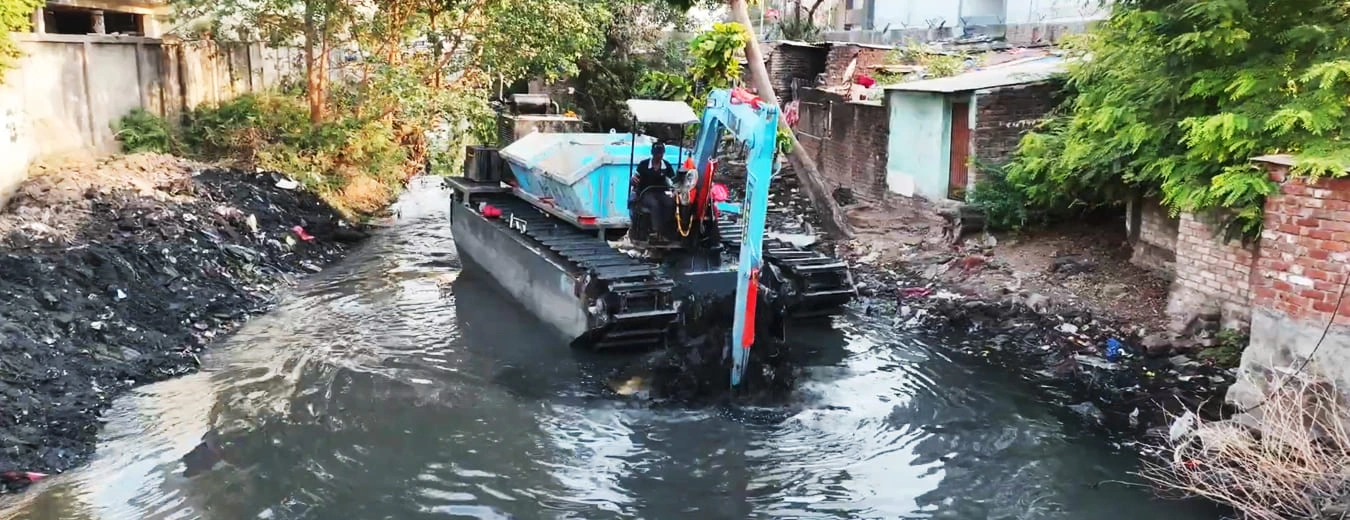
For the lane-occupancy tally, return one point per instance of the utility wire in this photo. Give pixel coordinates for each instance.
(1325, 330)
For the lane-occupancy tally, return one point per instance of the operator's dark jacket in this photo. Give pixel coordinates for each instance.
(648, 178)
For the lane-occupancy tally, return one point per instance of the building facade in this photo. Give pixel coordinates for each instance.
(114, 17)
(1019, 21)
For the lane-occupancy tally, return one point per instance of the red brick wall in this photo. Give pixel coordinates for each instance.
(1305, 249)
(847, 140)
(786, 62)
(1004, 115)
(1212, 276)
(841, 54)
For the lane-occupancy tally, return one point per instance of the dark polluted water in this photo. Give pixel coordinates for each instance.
(377, 392)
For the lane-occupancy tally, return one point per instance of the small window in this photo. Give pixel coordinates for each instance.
(68, 21)
(122, 23)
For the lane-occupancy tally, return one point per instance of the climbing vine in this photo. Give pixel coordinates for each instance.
(1177, 97)
(15, 15)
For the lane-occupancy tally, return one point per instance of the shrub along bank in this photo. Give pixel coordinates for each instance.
(353, 163)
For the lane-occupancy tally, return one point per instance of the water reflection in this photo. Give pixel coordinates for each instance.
(377, 392)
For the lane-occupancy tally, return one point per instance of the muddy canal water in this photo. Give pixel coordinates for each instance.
(376, 392)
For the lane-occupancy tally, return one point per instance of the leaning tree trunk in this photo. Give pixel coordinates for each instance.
(313, 67)
(836, 225)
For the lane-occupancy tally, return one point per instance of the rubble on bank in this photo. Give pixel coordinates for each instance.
(1084, 323)
(118, 273)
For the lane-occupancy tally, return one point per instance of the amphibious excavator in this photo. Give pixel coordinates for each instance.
(552, 219)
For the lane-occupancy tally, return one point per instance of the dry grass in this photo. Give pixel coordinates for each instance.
(362, 195)
(1295, 463)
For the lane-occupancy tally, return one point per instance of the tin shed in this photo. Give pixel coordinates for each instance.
(940, 127)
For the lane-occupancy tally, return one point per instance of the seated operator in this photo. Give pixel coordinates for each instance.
(654, 177)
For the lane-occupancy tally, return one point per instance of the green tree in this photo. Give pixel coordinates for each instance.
(714, 64)
(15, 16)
(470, 42)
(1175, 97)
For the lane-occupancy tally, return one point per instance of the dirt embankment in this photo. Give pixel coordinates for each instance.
(117, 273)
(1063, 306)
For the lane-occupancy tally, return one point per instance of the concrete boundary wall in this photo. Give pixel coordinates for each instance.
(67, 90)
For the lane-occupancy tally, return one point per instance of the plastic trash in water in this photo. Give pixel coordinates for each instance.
(300, 232)
(1113, 349)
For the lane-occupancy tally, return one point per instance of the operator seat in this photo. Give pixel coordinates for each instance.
(638, 219)
(639, 223)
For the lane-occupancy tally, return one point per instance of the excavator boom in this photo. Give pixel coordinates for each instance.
(754, 123)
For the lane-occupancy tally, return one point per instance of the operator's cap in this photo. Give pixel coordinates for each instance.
(658, 147)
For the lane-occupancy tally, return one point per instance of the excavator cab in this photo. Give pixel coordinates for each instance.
(671, 119)
(692, 224)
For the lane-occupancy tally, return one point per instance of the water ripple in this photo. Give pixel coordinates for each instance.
(377, 391)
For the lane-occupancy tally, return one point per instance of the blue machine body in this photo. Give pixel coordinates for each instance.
(753, 123)
(582, 178)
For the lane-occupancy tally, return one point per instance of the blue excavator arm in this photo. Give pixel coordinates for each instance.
(754, 123)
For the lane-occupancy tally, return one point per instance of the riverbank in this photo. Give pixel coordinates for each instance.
(118, 273)
(1061, 307)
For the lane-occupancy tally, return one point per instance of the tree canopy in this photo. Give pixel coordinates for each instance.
(1176, 96)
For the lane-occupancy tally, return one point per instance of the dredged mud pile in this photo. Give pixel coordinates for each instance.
(1103, 359)
(117, 274)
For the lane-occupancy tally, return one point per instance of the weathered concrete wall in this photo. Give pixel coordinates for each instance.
(1305, 261)
(847, 140)
(920, 144)
(1049, 21)
(1156, 245)
(16, 145)
(67, 90)
(1021, 21)
(1213, 277)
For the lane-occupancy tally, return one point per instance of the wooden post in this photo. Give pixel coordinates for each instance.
(140, 76)
(39, 21)
(88, 49)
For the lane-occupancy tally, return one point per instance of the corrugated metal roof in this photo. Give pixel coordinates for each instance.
(1019, 74)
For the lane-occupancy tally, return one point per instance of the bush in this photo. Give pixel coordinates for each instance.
(354, 163)
(142, 131)
(1228, 352)
(1295, 465)
(1003, 204)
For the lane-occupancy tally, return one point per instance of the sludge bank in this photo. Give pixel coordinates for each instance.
(1129, 387)
(119, 274)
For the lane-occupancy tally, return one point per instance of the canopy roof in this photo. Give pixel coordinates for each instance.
(662, 112)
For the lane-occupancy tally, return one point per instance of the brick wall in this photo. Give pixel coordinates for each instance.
(1305, 249)
(1213, 277)
(1004, 115)
(789, 61)
(1296, 323)
(847, 140)
(1156, 246)
(841, 54)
